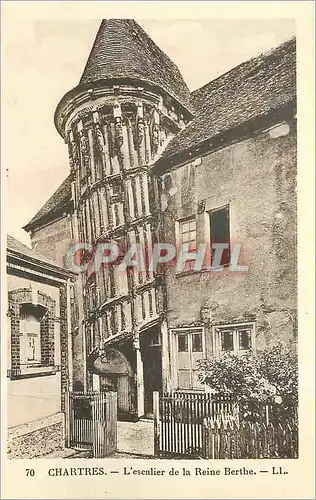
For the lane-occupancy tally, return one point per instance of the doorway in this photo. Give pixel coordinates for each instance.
(116, 375)
(152, 366)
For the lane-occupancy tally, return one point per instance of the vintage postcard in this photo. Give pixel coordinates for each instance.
(157, 188)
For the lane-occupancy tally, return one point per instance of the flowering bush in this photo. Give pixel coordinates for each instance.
(269, 377)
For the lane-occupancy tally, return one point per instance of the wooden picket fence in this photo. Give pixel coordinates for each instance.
(179, 421)
(231, 440)
(91, 422)
(201, 425)
(214, 404)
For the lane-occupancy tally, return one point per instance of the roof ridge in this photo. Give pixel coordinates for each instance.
(60, 197)
(257, 87)
(263, 56)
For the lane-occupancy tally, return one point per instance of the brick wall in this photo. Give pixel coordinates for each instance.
(47, 330)
(63, 342)
(16, 298)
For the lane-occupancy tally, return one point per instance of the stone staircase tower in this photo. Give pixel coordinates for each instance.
(131, 100)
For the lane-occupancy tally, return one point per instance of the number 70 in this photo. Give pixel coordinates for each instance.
(30, 472)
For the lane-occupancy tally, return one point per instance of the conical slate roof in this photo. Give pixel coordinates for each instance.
(122, 49)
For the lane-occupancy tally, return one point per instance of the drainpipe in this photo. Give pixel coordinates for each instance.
(69, 338)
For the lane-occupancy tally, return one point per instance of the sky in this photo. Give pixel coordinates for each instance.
(43, 59)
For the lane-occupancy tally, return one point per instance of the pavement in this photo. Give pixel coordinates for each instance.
(136, 437)
(69, 453)
(134, 440)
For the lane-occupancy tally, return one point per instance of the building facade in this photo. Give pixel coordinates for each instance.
(150, 163)
(235, 185)
(39, 364)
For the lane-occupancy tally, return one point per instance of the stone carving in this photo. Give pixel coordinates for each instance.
(140, 131)
(118, 133)
(84, 143)
(155, 138)
(84, 113)
(85, 151)
(201, 206)
(100, 141)
(73, 155)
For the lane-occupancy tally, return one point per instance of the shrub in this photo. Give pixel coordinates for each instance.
(269, 377)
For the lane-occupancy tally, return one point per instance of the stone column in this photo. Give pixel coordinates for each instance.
(70, 333)
(165, 357)
(64, 354)
(96, 382)
(140, 378)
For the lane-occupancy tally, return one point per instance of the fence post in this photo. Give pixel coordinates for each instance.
(114, 420)
(156, 423)
(67, 419)
(267, 415)
(95, 427)
(205, 438)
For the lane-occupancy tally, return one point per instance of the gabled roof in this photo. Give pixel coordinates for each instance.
(58, 201)
(122, 49)
(20, 251)
(254, 88)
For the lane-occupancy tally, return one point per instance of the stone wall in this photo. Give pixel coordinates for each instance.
(257, 178)
(36, 439)
(53, 240)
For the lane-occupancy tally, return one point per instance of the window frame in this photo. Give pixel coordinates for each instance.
(25, 334)
(236, 328)
(34, 302)
(208, 234)
(189, 265)
(173, 334)
(24, 339)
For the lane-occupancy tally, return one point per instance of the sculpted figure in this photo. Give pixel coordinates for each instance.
(118, 133)
(140, 131)
(100, 139)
